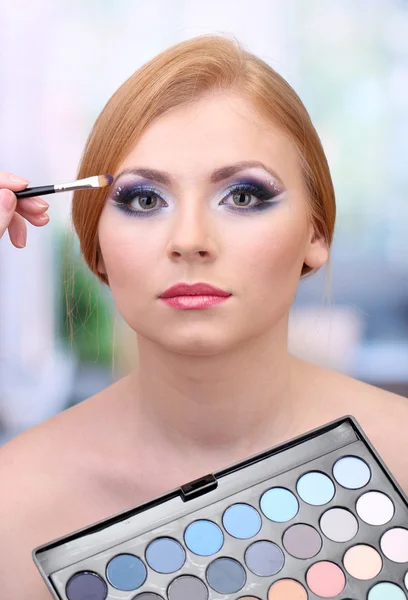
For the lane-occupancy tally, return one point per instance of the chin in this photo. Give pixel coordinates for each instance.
(189, 340)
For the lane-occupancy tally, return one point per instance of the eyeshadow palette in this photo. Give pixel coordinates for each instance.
(317, 517)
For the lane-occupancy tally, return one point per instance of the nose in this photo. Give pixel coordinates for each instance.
(192, 235)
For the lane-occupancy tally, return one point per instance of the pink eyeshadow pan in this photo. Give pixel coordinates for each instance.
(325, 579)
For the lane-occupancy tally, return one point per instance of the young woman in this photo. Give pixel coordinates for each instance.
(220, 179)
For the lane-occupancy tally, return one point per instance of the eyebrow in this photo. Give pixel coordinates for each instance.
(215, 177)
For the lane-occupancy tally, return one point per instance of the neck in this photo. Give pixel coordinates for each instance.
(225, 405)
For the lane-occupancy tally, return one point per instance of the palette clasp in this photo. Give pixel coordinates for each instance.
(198, 487)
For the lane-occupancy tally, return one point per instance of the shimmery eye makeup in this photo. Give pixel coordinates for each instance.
(317, 517)
(141, 200)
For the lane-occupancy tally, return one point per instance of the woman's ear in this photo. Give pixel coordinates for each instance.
(100, 264)
(317, 252)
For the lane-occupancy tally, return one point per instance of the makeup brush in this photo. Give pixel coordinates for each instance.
(97, 181)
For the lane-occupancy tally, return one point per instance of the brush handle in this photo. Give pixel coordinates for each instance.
(30, 192)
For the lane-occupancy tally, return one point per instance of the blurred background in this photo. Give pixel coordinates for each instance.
(59, 64)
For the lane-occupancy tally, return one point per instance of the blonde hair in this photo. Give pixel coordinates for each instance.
(178, 76)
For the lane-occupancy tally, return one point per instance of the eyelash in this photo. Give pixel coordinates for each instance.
(124, 197)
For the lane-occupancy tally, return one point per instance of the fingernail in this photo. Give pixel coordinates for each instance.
(44, 217)
(41, 203)
(16, 179)
(7, 199)
(21, 239)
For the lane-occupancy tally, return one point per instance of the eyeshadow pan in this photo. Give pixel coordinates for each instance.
(315, 488)
(325, 579)
(204, 537)
(242, 521)
(406, 580)
(302, 541)
(279, 505)
(375, 508)
(362, 562)
(264, 558)
(226, 575)
(126, 572)
(165, 555)
(339, 525)
(394, 544)
(287, 589)
(386, 591)
(187, 587)
(351, 472)
(86, 585)
(147, 596)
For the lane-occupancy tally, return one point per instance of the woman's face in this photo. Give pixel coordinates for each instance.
(247, 231)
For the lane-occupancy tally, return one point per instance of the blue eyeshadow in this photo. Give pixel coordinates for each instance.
(242, 521)
(279, 504)
(204, 537)
(126, 572)
(351, 472)
(315, 488)
(165, 555)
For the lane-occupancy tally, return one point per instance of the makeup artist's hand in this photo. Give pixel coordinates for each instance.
(13, 213)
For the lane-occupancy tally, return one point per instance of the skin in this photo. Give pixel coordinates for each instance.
(213, 386)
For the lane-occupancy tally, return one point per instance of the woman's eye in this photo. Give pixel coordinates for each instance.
(144, 201)
(138, 201)
(242, 198)
(250, 196)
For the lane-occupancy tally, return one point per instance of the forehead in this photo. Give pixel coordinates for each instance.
(192, 140)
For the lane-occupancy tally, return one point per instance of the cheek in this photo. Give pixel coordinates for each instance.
(126, 251)
(273, 250)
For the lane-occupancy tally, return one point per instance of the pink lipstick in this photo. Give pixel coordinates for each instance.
(194, 296)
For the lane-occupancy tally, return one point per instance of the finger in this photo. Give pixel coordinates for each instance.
(12, 182)
(18, 231)
(35, 206)
(37, 220)
(7, 205)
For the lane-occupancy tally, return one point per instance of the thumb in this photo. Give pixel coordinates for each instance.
(8, 203)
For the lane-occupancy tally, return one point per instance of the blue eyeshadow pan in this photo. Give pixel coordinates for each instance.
(242, 521)
(315, 488)
(204, 537)
(165, 555)
(126, 572)
(279, 505)
(351, 472)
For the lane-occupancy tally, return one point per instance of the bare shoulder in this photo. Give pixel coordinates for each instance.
(382, 414)
(49, 477)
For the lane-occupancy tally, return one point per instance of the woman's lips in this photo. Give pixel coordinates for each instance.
(194, 296)
(194, 302)
(194, 289)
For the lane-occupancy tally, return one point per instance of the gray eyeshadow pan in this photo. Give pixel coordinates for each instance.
(296, 521)
(264, 558)
(302, 541)
(187, 587)
(226, 575)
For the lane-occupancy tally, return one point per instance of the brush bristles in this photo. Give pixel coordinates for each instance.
(105, 180)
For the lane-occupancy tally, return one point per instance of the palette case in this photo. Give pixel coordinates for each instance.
(319, 516)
